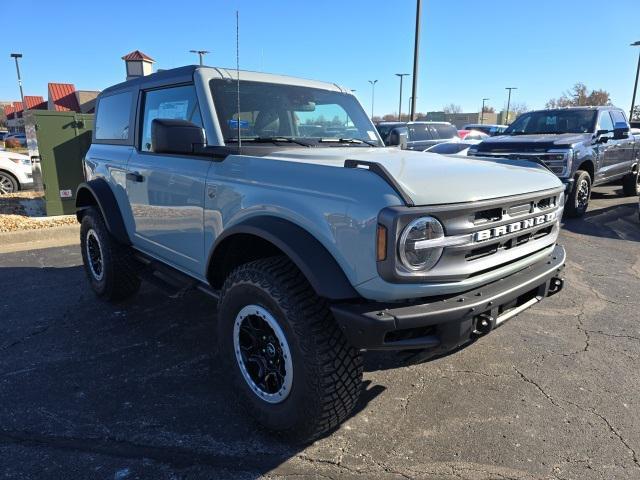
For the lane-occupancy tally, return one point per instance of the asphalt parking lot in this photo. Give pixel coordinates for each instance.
(91, 390)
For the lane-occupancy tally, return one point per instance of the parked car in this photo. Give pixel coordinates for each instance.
(472, 135)
(15, 172)
(489, 129)
(453, 148)
(419, 135)
(584, 146)
(315, 247)
(20, 137)
(3, 134)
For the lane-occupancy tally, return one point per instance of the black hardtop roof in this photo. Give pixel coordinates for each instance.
(163, 77)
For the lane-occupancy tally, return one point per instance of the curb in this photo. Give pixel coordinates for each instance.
(39, 238)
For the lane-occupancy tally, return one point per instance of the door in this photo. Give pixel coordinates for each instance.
(166, 191)
(606, 149)
(624, 147)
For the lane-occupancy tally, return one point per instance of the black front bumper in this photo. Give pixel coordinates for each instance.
(445, 323)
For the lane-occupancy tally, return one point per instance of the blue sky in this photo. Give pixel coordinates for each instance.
(469, 49)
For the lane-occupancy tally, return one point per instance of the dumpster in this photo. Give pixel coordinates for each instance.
(57, 143)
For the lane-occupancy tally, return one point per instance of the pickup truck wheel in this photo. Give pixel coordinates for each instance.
(109, 265)
(578, 201)
(293, 368)
(631, 184)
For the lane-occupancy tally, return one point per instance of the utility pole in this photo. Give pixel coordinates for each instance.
(201, 54)
(416, 45)
(373, 94)
(401, 75)
(635, 87)
(482, 112)
(509, 102)
(16, 56)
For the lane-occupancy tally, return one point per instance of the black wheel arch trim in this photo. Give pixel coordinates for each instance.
(98, 192)
(310, 256)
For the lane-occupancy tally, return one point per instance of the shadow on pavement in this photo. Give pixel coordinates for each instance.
(619, 222)
(127, 382)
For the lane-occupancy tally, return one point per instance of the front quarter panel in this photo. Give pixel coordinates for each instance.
(338, 206)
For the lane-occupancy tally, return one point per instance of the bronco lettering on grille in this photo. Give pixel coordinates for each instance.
(495, 232)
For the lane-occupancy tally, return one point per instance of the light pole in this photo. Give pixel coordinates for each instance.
(373, 94)
(416, 45)
(509, 102)
(201, 54)
(635, 87)
(401, 75)
(16, 56)
(482, 112)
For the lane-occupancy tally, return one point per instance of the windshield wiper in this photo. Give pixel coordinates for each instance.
(349, 140)
(269, 140)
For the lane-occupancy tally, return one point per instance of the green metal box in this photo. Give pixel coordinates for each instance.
(57, 142)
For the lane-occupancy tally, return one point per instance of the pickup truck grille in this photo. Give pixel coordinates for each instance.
(498, 232)
(555, 160)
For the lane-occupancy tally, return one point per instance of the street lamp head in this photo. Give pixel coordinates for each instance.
(510, 88)
(402, 74)
(373, 82)
(636, 44)
(16, 55)
(485, 99)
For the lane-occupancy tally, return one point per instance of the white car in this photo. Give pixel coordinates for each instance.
(15, 172)
(458, 147)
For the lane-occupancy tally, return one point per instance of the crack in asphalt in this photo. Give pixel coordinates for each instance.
(631, 450)
(538, 387)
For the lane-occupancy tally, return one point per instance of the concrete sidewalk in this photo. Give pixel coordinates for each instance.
(22, 240)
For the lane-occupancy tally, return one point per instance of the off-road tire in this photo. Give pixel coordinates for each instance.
(119, 279)
(327, 370)
(9, 183)
(575, 205)
(631, 184)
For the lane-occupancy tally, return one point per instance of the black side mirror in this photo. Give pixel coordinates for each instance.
(398, 137)
(175, 136)
(601, 136)
(620, 131)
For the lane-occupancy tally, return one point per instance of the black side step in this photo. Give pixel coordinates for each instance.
(171, 281)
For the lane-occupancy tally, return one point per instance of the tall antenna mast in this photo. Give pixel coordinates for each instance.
(238, 75)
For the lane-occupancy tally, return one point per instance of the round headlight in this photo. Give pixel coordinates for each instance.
(415, 254)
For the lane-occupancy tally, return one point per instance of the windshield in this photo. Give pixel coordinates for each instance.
(278, 112)
(553, 122)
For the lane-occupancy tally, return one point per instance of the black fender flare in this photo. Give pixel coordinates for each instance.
(97, 192)
(310, 256)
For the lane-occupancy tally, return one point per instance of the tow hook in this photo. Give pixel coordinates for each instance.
(555, 285)
(484, 324)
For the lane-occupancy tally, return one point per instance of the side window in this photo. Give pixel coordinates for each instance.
(618, 117)
(604, 122)
(178, 103)
(114, 113)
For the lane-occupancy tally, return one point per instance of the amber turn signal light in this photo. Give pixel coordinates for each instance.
(381, 243)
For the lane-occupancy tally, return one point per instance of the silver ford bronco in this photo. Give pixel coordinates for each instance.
(276, 196)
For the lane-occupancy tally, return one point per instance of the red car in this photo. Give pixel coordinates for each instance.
(472, 135)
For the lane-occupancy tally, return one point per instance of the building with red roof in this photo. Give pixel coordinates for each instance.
(62, 97)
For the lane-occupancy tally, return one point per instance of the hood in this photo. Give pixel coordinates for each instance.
(525, 143)
(431, 179)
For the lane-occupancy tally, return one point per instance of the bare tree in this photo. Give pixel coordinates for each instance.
(636, 114)
(518, 109)
(452, 108)
(578, 96)
(488, 109)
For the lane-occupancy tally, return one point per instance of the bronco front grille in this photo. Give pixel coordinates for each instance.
(498, 232)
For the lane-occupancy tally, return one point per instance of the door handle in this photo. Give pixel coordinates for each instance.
(135, 177)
